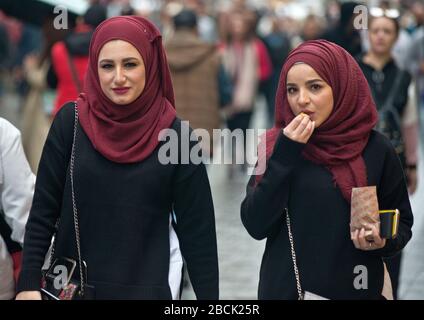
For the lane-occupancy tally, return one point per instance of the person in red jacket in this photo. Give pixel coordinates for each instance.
(70, 58)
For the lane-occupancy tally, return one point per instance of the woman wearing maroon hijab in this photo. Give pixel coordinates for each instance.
(102, 162)
(321, 146)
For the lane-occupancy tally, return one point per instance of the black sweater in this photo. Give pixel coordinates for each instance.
(320, 218)
(124, 218)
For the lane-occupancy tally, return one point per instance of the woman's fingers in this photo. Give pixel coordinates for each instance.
(302, 126)
(378, 241)
(359, 238)
(363, 243)
(354, 237)
(308, 132)
(294, 123)
(300, 129)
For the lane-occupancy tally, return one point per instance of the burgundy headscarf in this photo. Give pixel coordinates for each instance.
(338, 143)
(128, 133)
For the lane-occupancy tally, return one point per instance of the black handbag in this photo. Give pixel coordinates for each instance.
(61, 281)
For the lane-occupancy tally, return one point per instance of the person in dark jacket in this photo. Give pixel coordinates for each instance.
(278, 46)
(70, 57)
(388, 81)
(344, 33)
(322, 146)
(122, 188)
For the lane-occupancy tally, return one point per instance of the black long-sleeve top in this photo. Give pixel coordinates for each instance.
(124, 214)
(320, 218)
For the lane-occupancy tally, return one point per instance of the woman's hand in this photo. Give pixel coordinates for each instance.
(300, 129)
(29, 295)
(366, 242)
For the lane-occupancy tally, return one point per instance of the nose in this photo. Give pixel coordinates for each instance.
(303, 98)
(119, 76)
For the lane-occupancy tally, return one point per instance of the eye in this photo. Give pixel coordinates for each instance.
(316, 87)
(106, 66)
(291, 90)
(130, 65)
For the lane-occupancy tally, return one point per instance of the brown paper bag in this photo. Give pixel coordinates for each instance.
(364, 208)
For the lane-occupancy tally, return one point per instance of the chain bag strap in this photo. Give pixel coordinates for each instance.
(81, 264)
(293, 255)
(301, 296)
(74, 204)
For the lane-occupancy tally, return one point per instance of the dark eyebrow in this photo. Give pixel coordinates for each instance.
(123, 60)
(307, 82)
(314, 80)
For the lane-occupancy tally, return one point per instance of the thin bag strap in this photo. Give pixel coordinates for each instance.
(74, 203)
(74, 207)
(388, 104)
(293, 254)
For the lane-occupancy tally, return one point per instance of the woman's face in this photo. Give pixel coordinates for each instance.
(238, 26)
(382, 35)
(307, 92)
(121, 71)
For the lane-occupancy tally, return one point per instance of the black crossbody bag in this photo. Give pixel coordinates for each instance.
(60, 280)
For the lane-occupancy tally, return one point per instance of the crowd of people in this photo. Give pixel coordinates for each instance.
(344, 109)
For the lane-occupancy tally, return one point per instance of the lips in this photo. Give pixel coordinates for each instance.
(123, 90)
(309, 113)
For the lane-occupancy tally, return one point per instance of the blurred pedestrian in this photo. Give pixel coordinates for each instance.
(417, 9)
(206, 25)
(390, 84)
(344, 33)
(278, 46)
(390, 87)
(323, 145)
(195, 67)
(102, 179)
(35, 121)
(415, 65)
(70, 57)
(312, 28)
(246, 60)
(16, 191)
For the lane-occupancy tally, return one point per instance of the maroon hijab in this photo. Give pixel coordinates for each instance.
(338, 143)
(128, 133)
